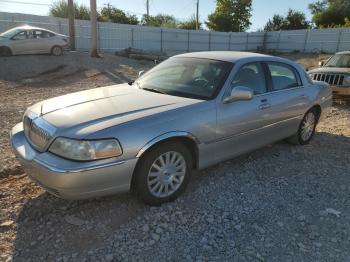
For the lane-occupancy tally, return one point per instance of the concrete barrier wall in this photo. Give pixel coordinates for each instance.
(112, 37)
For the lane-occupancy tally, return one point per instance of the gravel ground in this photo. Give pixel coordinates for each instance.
(278, 203)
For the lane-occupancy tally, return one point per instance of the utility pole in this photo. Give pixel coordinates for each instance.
(93, 18)
(71, 25)
(109, 11)
(147, 7)
(197, 15)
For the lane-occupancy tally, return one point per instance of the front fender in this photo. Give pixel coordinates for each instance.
(165, 136)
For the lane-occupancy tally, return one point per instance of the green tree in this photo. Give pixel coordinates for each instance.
(116, 15)
(230, 16)
(292, 21)
(60, 9)
(160, 20)
(189, 24)
(275, 24)
(295, 20)
(330, 13)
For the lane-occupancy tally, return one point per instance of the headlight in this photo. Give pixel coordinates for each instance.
(85, 150)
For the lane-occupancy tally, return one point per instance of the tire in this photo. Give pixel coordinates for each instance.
(5, 51)
(306, 128)
(159, 181)
(56, 50)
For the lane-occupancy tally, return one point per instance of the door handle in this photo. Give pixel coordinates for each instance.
(264, 106)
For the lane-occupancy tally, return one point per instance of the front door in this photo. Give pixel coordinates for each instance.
(240, 124)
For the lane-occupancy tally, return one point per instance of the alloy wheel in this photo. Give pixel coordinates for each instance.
(166, 174)
(308, 126)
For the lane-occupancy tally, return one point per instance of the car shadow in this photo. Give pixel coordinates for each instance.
(49, 226)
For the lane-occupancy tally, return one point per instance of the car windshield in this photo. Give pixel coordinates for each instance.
(187, 77)
(9, 33)
(340, 60)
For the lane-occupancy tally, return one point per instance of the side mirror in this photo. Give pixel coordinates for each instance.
(141, 73)
(321, 63)
(239, 93)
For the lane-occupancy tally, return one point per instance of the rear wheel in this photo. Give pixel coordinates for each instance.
(5, 51)
(57, 51)
(163, 173)
(306, 129)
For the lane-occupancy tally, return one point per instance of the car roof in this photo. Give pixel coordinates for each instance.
(28, 27)
(229, 56)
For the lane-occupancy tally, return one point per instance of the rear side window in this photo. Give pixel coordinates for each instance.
(283, 76)
(41, 34)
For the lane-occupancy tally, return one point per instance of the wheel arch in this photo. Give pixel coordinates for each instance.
(186, 138)
(8, 47)
(318, 110)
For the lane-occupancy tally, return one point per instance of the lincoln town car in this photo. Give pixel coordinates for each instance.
(187, 113)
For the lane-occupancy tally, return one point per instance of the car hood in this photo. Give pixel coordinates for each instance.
(93, 110)
(336, 70)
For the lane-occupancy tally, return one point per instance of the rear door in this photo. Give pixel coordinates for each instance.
(287, 99)
(41, 41)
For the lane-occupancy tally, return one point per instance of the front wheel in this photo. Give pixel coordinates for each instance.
(163, 173)
(306, 129)
(5, 51)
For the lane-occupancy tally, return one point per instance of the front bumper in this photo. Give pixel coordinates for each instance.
(341, 91)
(70, 179)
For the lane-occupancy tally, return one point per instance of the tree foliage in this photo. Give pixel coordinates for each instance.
(330, 13)
(189, 24)
(292, 21)
(116, 15)
(60, 9)
(160, 20)
(230, 16)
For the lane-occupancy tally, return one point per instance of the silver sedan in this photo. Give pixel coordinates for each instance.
(32, 40)
(189, 112)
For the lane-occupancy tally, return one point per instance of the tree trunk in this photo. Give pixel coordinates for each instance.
(93, 18)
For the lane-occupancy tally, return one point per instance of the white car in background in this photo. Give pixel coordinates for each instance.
(32, 40)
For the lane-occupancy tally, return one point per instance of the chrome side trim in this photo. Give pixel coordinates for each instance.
(77, 170)
(166, 136)
(253, 130)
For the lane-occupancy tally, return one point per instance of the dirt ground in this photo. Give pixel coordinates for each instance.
(28, 215)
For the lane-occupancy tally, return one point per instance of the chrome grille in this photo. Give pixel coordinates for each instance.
(332, 79)
(38, 136)
(38, 132)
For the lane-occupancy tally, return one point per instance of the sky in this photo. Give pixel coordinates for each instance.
(263, 10)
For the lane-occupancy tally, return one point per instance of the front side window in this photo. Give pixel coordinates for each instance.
(283, 76)
(251, 75)
(339, 60)
(20, 36)
(188, 77)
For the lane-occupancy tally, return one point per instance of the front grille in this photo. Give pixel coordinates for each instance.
(332, 79)
(38, 132)
(39, 136)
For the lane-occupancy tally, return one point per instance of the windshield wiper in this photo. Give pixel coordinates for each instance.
(153, 90)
